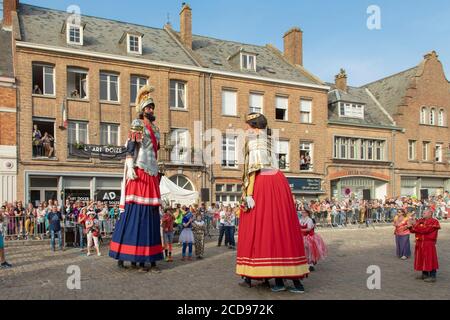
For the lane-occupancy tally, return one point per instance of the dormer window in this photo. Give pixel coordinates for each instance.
(134, 44)
(248, 62)
(351, 110)
(74, 34)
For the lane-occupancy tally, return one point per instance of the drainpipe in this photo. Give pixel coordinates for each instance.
(25, 185)
(211, 171)
(393, 163)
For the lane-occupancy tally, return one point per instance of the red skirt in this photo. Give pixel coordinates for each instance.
(270, 242)
(144, 190)
(425, 258)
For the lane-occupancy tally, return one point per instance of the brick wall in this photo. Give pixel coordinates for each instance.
(429, 88)
(8, 119)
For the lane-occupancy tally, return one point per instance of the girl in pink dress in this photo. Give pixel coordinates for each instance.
(315, 247)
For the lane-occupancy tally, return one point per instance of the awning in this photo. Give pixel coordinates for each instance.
(171, 193)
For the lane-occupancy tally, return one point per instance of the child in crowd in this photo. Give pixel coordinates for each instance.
(199, 230)
(167, 226)
(186, 236)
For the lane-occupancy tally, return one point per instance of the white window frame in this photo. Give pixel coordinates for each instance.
(79, 71)
(108, 88)
(433, 116)
(69, 27)
(342, 149)
(277, 152)
(423, 115)
(177, 83)
(379, 145)
(351, 110)
(425, 150)
(224, 92)
(304, 111)
(108, 126)
(441, 118)
(77, 130)
(137, 86)
(412, 154)
(310, 150)
(139, 38)
(282, 106)
(227, 151)
(43, 66)
(175, 134)
(438, 156)
(246, 57)
(254, 108)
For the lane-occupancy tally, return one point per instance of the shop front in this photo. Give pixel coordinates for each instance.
(354, 184)
(75, 186)
(416, 186)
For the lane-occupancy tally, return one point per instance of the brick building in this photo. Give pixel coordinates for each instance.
(418, 100)
(359, 143)
(8, 115)
(403, 120)
(79, 81)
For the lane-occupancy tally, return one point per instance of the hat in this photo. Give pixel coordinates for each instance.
(143, 98)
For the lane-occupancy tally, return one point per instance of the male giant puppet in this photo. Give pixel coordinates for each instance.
(137, 235)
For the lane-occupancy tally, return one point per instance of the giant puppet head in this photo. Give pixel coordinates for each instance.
(144, 100)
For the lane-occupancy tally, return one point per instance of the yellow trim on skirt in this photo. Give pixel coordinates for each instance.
(272, 271)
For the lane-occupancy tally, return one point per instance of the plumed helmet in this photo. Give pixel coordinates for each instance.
(144, 98)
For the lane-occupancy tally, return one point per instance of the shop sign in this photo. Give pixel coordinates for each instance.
(112, 197)
(305, 184)
(97, 151)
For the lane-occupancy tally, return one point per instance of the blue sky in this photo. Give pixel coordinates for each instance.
(335, 32)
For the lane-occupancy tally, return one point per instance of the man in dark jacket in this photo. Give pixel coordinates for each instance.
(54, 219)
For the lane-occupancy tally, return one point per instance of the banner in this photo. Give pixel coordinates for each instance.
(97, 151)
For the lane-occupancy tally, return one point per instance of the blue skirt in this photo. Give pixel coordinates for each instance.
(137, 236)
(403, 246)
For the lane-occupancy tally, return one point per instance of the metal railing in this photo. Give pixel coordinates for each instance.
(38, 228)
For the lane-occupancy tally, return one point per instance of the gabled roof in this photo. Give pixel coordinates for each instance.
(374, 115)
(391, 90)
(6, 58)
(43, 26)
(103, 36)
(214, 54)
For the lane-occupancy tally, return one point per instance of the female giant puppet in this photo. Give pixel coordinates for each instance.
(137, 235)
(270, 243)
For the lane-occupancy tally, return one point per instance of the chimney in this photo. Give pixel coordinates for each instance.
(341, 80)
(8, 7)
(293, 46)
(186, 25)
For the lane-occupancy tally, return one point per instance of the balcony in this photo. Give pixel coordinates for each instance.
(44, 151)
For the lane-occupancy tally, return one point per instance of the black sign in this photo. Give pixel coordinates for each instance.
(112, 197)
(77, 195)
(102, 152)
(305, 184)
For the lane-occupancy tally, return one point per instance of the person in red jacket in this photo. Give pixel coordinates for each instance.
(426, 259)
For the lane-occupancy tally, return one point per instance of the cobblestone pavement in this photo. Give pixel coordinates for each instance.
(41, 274)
